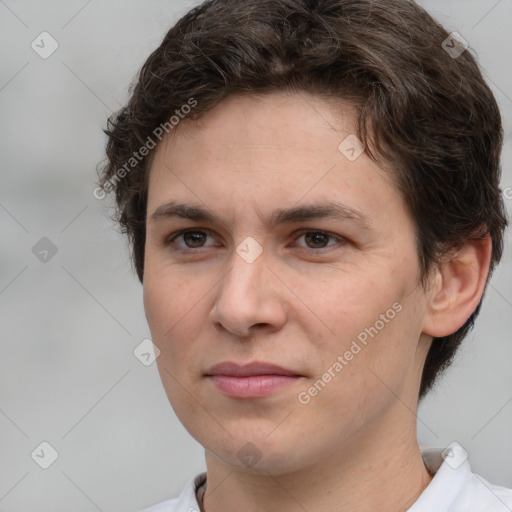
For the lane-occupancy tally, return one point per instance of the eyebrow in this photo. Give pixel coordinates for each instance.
(302, 213)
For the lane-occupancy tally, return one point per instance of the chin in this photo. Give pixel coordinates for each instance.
(261, 454)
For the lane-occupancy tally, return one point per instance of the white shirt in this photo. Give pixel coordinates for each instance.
(454, 488)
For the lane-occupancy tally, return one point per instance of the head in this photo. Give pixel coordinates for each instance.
(241, 111)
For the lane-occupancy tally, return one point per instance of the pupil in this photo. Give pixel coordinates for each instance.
(195, 238)
(317, 238)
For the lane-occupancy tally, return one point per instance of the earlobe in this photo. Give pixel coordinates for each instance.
(457, 287)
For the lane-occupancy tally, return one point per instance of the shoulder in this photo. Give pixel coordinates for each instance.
(163, 506)
(494, 497)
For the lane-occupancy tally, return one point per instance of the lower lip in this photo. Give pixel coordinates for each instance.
(255, 386)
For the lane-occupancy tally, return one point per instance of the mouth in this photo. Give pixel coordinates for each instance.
(253, 380)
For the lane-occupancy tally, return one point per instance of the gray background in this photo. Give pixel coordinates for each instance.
(69, 326)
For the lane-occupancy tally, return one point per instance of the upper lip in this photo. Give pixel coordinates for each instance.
(250, 369)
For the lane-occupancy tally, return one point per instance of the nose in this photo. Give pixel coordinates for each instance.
(247, 298)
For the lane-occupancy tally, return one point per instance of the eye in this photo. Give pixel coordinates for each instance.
(196, 239)
(192, 238)
(318, 239)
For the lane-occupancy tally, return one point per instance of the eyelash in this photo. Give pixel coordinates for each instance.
(170, 240)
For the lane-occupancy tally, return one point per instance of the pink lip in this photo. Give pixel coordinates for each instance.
(253, 380)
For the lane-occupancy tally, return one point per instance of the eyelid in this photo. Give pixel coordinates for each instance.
(170, 239)
(302, 231)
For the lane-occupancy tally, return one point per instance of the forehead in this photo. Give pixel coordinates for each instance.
(268, 122)
(275, 149)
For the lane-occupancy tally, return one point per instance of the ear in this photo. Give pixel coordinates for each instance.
(457, 287)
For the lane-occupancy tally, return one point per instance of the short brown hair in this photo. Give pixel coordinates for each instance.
(426, 113)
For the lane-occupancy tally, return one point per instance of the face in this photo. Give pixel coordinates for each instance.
(296, 255)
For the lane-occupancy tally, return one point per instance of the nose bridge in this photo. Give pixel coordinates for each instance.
(245, 297)
(247, 267)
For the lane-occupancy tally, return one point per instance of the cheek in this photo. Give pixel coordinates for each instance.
(158, 303)
(165, 303)
(351, 303)
(168, 295)
(373, 324)
(176, 312)
(175, 315)
(362, 369)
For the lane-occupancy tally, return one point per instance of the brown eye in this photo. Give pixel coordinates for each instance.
(317, 239)
(192, 239)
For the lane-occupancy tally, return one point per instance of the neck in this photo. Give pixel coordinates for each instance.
(378, 469)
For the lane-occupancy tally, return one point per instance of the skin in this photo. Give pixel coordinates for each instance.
(299, 305)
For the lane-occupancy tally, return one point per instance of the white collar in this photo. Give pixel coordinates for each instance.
(454, 487)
